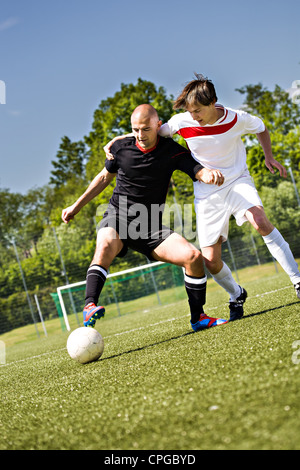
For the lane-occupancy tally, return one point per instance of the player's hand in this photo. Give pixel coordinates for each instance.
(106, 149)
(68, 214)
(210, 176)
(271, 163)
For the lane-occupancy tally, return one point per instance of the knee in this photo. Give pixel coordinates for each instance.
(212, 264)
(103, 245)
(212, 259)
(194, 256)
(107, 249)
(260, 222)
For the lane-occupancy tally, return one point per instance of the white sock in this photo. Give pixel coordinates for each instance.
(280, 250)
(225, 279)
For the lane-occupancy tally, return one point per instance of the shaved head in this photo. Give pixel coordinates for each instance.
(145, 125)
(145, 111)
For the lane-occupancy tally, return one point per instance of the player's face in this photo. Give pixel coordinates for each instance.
(203, 114)
(145, 130)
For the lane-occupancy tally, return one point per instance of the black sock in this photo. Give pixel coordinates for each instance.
(196, 291)
(95, 279)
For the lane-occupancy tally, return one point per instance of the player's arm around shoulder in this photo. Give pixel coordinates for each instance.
(107, 148)
(187, 163)
(99, 183)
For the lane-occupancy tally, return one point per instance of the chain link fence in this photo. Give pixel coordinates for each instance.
(30, 294)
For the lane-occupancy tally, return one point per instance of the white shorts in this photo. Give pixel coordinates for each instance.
(213, 213)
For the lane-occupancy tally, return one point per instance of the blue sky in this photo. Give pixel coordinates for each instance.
(59, 59)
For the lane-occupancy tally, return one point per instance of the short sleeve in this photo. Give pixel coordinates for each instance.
(173, 124)
(165, 130)
(111, 166)
(251, 124)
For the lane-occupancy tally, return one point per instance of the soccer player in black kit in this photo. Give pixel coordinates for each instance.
(143, 165)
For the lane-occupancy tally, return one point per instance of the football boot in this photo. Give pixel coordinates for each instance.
(205, 322)
(236, 306)
(91, 313)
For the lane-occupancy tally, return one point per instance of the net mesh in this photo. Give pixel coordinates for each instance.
(126, 292)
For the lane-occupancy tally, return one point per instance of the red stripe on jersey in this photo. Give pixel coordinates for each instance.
(187, 132)
(180, 153)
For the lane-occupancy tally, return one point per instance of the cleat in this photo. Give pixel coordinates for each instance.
(236, 306)
(297, 289)
(205, 322)
(91, 313)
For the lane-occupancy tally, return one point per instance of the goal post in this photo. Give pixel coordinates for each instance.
(132, 289)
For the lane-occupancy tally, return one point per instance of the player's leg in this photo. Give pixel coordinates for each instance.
(213, 224)
(212, 215)
(176, 250)
(276, 244)
(221, 273)
(107, 248)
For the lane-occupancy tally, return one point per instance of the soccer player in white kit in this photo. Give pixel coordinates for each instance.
(213, 134)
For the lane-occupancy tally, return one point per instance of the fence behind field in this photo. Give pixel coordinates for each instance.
(35, 299)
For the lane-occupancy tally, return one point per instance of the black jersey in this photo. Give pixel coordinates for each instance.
(144, 177)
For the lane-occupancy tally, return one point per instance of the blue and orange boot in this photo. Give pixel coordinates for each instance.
(207, 322)
(91, 313)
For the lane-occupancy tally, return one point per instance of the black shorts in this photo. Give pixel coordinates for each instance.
(142, 236)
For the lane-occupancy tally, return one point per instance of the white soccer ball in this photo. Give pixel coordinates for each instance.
(85, 344)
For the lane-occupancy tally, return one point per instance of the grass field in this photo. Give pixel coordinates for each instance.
(158, 385)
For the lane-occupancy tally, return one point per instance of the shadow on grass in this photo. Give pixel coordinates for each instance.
(269, 310)
(142, 348)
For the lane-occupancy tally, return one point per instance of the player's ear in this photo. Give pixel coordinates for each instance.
(159, 124)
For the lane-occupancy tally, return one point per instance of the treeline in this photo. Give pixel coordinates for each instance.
(33, 220)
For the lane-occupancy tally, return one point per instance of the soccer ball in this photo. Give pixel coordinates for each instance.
(85, 344)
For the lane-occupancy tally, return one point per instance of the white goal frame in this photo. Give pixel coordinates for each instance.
(81, 283)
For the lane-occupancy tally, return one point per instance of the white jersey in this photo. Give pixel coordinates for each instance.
(216, 146)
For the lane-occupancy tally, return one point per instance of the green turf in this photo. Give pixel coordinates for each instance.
(159, 386)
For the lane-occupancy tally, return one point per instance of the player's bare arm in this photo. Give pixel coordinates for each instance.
(265, 141)
(210, 176)
(99, 183)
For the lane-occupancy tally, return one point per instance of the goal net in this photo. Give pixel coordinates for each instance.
(131, 290)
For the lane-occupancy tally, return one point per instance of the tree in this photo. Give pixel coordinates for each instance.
(10, 215)
(282, 118)
(113, 117)
(36, 207)
(70, 162)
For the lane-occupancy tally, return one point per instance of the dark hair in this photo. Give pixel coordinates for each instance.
(200, 90)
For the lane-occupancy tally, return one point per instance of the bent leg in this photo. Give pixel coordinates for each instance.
(258, 219)
(275, 242)
(219, 270)
(176, 250)
(107, 248)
